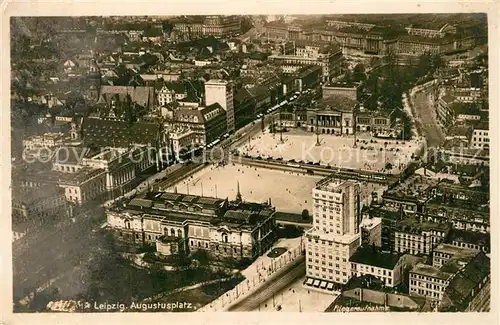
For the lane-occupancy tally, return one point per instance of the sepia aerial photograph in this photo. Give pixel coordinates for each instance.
(267, 163)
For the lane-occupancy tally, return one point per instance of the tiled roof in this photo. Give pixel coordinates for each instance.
(141, 95)
(341, 103)
(459, 290)
(105, 133)
(470, 237)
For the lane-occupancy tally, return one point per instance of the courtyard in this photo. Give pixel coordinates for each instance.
(370, 154)
(289, 192)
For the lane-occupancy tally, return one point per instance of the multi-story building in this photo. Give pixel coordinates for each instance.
(345, 89)
(279, 31)
(236, 230)
(36, 204)
(470, 239)
(182, 139)
(189, 28)
(428, 281)
(47, 140)
(444, 252)
(480, 136)
(170, 93)
(207, 123)
(335, 234)
(121, 165)
(221, 92)
(328, 57)
(371, 231)
(85, 185)
(431, 33)
(415, 237)
(221, 26)
(461, 216)
(410, 195)
(377, 123)
(445, 115)
(469, 288)
(332, 115)
(460, 284)
(385, 266)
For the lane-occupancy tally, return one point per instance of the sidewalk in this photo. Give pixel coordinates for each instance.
(256, 274)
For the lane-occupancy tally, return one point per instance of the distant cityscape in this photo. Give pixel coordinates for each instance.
(324, 163)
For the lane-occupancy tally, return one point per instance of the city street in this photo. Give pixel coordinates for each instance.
(424, 110)
(269, 288)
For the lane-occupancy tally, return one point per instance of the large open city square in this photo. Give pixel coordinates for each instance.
(288, 192)
(362, 153)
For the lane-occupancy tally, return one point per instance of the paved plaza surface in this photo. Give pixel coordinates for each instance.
(336, 151)
(296, 298)
(289, 192)
(260, 265)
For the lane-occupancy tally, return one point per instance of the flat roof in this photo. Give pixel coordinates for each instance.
(431, 271)
(372, 256)
(451, 249)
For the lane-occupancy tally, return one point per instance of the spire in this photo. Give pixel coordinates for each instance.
(238, 194)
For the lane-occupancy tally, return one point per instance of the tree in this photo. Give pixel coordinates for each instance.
(359, 72)
(201, 256)
(305, 214)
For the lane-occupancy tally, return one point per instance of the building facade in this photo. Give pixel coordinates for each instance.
(385, 266)
(335, 235)
(221, 92)
(235, 230)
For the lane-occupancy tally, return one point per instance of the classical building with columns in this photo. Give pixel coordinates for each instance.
(331, 115)
(234, 230)
(120, 167)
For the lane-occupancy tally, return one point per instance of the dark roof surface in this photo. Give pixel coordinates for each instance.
(111, 133)
(461, 285)
(369, 256)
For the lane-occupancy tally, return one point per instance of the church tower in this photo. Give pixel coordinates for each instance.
(94, 78)
(238, 194)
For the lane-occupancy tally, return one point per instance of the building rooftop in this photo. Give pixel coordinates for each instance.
(458, 292)
(341, 239)
(413, 226)
(451, 250)
(470, 237)
(141, 95)
(414, 188)
(369, 255)
(118, 134)
(32, 195)
(430, 271)
(184, 208)
(334, 185)
(341, 103)
(79, 177)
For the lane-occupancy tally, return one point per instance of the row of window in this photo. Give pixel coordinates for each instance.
(426, 292)
(429, 279)
(427, 285)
